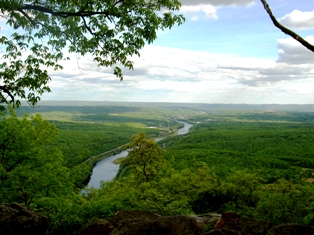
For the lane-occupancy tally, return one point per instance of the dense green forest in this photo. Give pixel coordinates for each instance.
(253, 160)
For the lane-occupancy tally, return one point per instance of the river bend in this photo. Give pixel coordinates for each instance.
(106, 170)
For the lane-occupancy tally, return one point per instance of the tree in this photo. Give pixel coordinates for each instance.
(29, 172)
(21, 139)
(145, 156)
(111, 31)
(286, 30)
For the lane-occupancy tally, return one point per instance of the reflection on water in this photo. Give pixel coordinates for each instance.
(184, 129)
(106, 170)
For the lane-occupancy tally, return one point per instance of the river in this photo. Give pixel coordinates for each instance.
(106, 170)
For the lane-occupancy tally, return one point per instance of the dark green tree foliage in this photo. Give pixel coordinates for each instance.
(28, 173)
(111, 31)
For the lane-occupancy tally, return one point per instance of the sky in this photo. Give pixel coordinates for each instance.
(227, 51)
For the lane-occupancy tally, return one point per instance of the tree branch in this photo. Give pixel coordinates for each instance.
(286, 30)
(65, 14)
(27, 16)
(6, 90)
(87, 27)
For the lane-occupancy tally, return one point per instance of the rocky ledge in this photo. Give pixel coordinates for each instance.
(147, 223)
(18, 219)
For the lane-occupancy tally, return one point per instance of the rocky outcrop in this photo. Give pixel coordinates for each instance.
(147, 223)
(244, 225)
(19, 219)
(291, 229)
(144, 223)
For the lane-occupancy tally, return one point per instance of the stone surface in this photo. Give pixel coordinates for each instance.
(223, 232)
(147, 223)
(144, 223)
(204, 220)
(244, 225)
(176, 225)
(101, 226)
(19, 219)
(291, 229)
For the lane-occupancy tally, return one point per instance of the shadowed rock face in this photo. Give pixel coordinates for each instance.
(244, 225)
(291, 229)
(18, 219)
(147, 223)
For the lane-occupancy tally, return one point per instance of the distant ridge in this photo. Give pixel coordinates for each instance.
(200, 106)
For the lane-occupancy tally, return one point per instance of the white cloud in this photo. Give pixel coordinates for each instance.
(209, 10)
(176, 75)
(217, 2)
(292, 52)
(298, 20)
(209, 7)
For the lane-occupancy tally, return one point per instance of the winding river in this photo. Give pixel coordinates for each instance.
(106, 170)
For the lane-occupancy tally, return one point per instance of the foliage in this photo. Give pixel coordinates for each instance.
(274, 150)
(145, 156)
(248, 163)
(22, 139)
(110, 31)
(169, 192)
(30, 174)
(285, 202)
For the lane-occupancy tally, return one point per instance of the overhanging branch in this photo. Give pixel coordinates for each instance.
(65, 14)
(6, 90)
(286, 30)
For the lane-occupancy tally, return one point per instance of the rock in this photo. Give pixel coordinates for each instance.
(222, 232)
(147, 223)
(204, 220)
(101, 226)
(291, 229)
(244, 225)
(135, 214)
(19, 219)
(141, 222)
(144, 223)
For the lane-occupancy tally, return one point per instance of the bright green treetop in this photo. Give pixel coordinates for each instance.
(111, 31)
(145, 156)
(30, 173)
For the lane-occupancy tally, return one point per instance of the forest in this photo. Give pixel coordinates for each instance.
(255, 160)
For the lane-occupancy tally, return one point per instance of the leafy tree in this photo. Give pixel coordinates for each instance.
(29, 173)
(111, 31)
(145, 156)
(21, 139)
(286, 202)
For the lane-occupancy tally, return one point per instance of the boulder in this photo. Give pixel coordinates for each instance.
(244, 225)
(203, 221)
(291, 229)
(168, 225)
(144, 223)
(101, 226)
(19, 219)
(223, 232)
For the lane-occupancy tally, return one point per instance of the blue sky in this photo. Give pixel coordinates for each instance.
(227, 51)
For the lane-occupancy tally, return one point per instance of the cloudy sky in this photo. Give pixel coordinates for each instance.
(227, 51)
